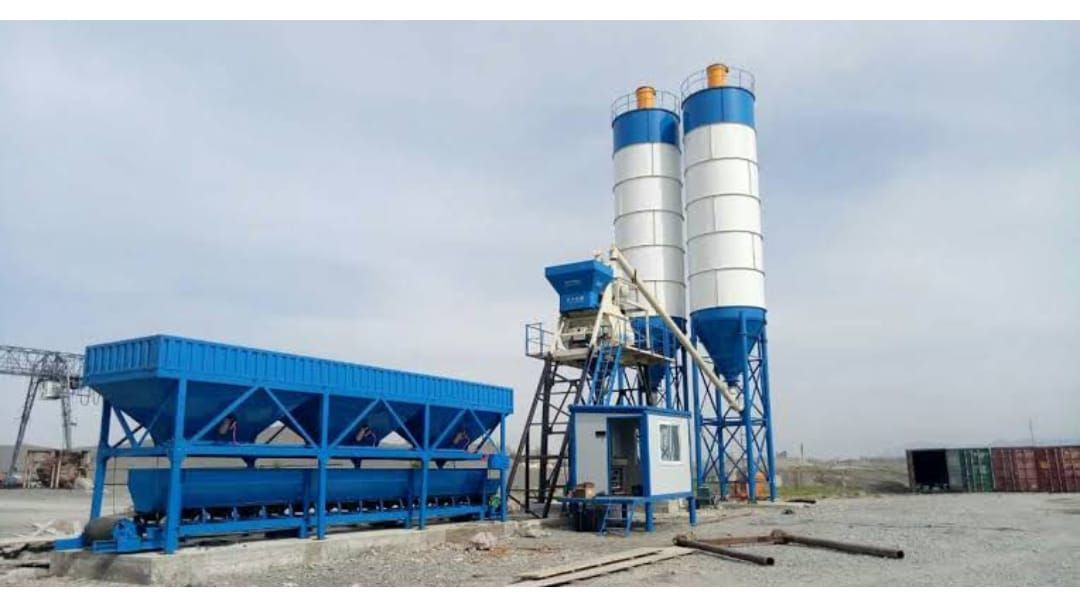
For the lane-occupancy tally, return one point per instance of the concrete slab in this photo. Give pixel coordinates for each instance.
(204, 565)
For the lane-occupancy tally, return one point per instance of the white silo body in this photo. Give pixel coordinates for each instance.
(648, 194)
(723, 212)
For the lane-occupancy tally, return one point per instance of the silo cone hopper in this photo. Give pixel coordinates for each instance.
(729, 346)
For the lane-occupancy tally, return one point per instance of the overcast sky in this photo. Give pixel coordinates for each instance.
(390, 193)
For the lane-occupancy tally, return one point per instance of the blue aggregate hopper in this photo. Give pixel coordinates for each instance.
(580, 285)
(239, 392)
(176, 398)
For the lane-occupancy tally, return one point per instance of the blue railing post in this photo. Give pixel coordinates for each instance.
(176, 460)
(101, 460)
(324, 426)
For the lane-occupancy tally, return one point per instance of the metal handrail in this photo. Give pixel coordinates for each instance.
(624, 104)
(698, 80)
(537, 339)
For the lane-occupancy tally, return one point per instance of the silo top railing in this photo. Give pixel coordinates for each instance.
(626, 103)
(699, 80)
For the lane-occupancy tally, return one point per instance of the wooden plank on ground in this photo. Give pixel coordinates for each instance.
(661, 554)
(590, 563)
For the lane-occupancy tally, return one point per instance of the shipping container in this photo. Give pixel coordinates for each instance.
(1071, 465)
(1058, 468)
(975, 470)
(954, 470)
(1019, 469)
(952, 465)
(1014, 469)
(928, 470)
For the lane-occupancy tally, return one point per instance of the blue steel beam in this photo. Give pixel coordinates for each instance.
(288, 415)
(401, 424)
(324, 426)
(356, 421)
(101, 459)
(176, 459)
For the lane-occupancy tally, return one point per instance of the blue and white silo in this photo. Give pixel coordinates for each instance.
(649, 211)
(723, 215)
(727, 277)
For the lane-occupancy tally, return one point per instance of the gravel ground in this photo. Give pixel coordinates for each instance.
(962, 539)
(949, 540)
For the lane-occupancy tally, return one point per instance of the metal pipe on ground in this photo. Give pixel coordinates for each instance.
(738, 541)
(786, 538)
(686, 542)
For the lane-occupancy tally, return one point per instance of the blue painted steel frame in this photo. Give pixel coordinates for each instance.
(167, 536)
(719, 451)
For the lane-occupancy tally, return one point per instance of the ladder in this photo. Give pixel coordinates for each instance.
(547, 424)
(605, 373)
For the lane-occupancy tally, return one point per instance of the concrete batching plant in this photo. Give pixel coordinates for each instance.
(621, 347)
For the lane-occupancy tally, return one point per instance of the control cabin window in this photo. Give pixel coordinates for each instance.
(670, 451)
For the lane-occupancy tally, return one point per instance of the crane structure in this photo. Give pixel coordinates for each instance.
(54, 376)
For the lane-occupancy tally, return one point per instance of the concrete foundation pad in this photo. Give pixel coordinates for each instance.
(206, 565)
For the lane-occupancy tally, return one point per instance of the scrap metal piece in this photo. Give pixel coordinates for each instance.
(786, 538)
(765, 561)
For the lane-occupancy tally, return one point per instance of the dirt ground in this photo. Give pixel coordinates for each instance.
(951, 540)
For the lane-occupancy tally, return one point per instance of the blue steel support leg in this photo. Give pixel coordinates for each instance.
(766, 410)
(691, 505)
(305, 504)
(684, 402)
(719, 449)
(324, 425)
(668, 400)
(649, 516)
(699, 438)
(748, 413)
(502, 470)
(176, 460)
(425, 453)
(101, 460)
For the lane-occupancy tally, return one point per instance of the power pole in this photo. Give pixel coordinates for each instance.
(53, 376)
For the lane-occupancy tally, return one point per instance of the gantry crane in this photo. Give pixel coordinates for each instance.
(53, 376)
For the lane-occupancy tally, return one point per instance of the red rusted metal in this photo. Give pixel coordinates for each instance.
(1058, 468)
(1015, 469)
(1070, 464)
